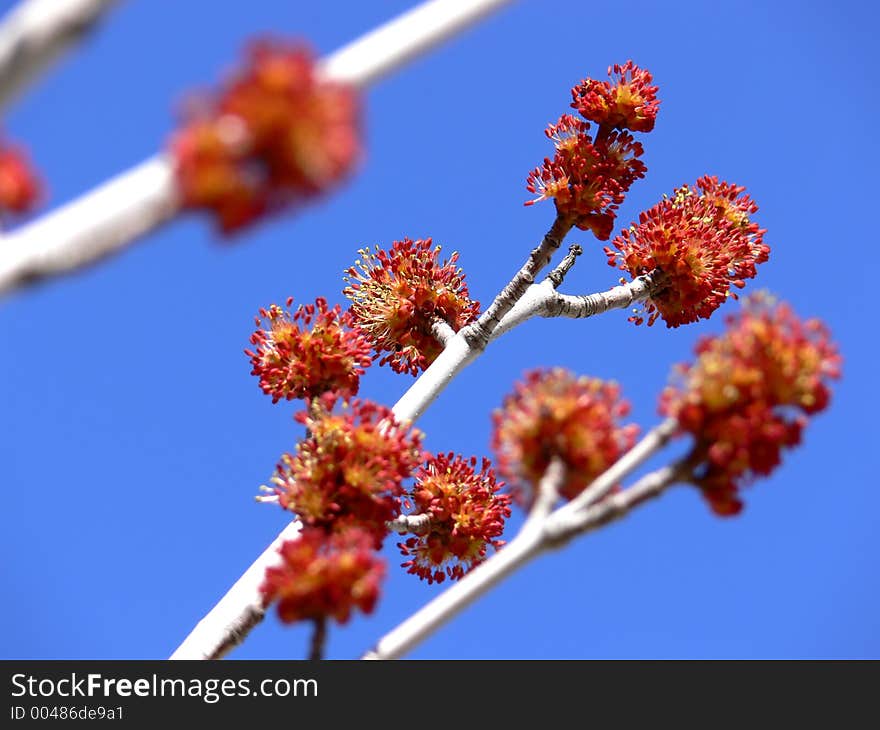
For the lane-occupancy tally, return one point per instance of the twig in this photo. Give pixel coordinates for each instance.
(522, 549)
(561, 528)
(319, 638)
(646, 447)
(557, 276)
(536, 537)
(107, 220)
(36, 32)
(542, 300)
(480, 332)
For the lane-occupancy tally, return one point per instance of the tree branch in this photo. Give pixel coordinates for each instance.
(230, 621)
(538, 535)
(107, 220)
(480, 332)
(542, 300)
(36, 32)
(456, 355)
(523, 548)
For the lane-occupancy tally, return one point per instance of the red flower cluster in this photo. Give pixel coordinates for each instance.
(467, 516)
(19, 187)
(589, 176)
(397, 296)
(629, 102)
(749, 394)
(274, 136)
(323, 576)
(316, 351)
(703, 240)
(553, 413)
(349, 469)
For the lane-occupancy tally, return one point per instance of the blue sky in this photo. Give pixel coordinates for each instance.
(133, 438)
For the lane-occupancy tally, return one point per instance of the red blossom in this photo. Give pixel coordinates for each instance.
(349, 469)
(19, 186)
(749, 395)
(703, 240)
(397, 295)
(467, 516)
(587, 178)
(323, 576)
(275, 135)
(554, 413)
(313, 352)
(628, 102)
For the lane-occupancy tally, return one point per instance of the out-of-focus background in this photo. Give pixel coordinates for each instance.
(133, 439)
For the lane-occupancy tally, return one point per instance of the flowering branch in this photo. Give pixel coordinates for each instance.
(35, 32)
(105, 221)
(209, 639)
(542, 531)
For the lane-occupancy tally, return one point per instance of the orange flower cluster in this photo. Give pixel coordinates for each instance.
(467, 516)
(749, 394)
(19, 187)
(321, 576)
(348, 471)
(628, 102)
(703, 240)
(314, 352)
(397, 295)
(274, 136)
(588, 175)
(555, 414)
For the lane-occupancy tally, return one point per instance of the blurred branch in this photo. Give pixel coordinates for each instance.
(107, 220)
(541, 532)
(36, 32)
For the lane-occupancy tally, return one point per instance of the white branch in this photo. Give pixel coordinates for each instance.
(523, 548)
(538, 535)
(401, 40)
(97, 225)
(542, 300)
(229, 622)
(107, 220)
(35, 33)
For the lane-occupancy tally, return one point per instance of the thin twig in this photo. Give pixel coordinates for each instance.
(542, 300)
(36, 32)
(319, 638)
(480, 332)
(557, 276)
(104, 222)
